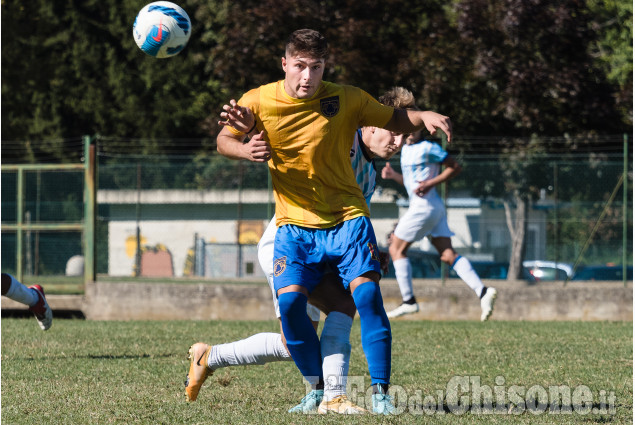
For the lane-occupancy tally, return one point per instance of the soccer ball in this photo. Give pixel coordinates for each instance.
(162, 29)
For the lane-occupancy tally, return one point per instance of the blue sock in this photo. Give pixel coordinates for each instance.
(376, 335)
(302, 340)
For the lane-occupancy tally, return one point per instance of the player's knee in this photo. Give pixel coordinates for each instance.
(347, 306)
(344, 305)
(393, 251)
(367, 296)
(449, 256)
(398, 251)
(6, 283)
(292, 304)
(335, 343)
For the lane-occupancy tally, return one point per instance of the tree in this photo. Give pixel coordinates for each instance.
(72, 68)
(531, 62)
(531, 65)
(613, 49)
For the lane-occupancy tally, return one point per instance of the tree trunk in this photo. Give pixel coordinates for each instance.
(517, 225)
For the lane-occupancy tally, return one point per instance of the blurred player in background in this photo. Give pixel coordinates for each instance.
(421, 162)
(329, 295)
(308, 127)
(33, 297)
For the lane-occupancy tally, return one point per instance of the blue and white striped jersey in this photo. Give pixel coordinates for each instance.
(363, 166)
(421, 161)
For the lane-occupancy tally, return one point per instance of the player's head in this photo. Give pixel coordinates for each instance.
(400, 97)
(303, 63)
(384, 143)
(307, 42)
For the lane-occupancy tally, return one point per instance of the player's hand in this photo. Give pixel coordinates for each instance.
(384, 260)
(423, 188)
(434, 121)
(258, 148)
(387, 172)
(239, 117)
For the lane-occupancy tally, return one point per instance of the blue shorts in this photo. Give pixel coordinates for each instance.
(301, 254)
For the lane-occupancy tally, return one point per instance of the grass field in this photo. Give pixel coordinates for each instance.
(89, 372)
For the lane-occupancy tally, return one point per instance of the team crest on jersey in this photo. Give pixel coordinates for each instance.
(373, 251)
(279, 266)
(330, 106)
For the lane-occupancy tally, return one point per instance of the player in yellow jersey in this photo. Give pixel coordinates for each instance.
(306, 129)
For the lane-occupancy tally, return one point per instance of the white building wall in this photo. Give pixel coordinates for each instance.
(172, 221)
(176, 235)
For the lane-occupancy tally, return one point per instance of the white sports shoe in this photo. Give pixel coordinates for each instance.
(487, 303)
(41, 309)
(342, 405)
(403, 309)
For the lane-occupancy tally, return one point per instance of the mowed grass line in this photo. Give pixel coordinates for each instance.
(91, 372)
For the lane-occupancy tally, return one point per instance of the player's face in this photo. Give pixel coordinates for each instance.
(384, 143)
(411, 138)
(303, 75)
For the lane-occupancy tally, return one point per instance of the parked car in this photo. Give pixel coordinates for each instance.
(486, 270)
(540, 270)
(602, 273)
(424, 265)
(428, 265)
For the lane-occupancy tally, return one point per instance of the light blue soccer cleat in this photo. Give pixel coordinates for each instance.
(383, 404)
(309, 403)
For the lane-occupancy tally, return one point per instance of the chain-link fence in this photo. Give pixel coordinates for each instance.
(43, 220)
(203, 215)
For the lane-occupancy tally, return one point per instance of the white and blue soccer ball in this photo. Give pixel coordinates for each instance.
(162, 29)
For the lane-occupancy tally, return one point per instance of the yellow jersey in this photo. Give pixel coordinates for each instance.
(311, 139)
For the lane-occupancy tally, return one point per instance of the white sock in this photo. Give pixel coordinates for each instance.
(336, 353)
(256, 350)
(20, 293)
(464, 270)
(403, 273)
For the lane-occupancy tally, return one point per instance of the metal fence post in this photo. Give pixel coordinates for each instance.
(89, 209)
(625, 210)
(19, 222)
(444, 196)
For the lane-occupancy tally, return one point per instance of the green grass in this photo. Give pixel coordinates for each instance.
(85, 372)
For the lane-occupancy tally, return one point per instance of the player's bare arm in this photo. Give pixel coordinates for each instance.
(231, 145)
(389, 173)
(408, 121)
(452, 168)
(258, 148)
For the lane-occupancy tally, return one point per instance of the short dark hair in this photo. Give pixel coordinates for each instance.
(308, 42)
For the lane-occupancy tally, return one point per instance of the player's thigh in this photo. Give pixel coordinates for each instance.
(418, 222)
(265, 248)
(398, 247)
(354, 251)
(298, 258)
(330, 296)
(441, 230)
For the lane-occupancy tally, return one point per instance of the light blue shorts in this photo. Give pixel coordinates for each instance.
(302, 255)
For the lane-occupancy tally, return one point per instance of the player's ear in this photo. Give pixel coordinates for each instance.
(284, 63)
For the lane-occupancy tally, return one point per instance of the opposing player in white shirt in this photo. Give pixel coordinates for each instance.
(421, 162)
(329, 297)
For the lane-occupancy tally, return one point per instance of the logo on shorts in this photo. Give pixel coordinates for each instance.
(373, 251)
(279, 265)
(330, 106)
